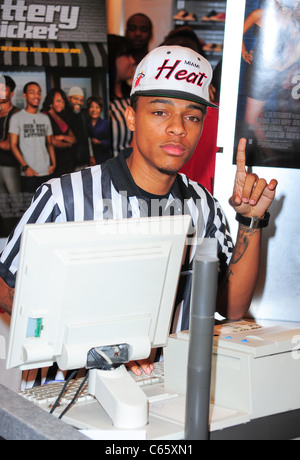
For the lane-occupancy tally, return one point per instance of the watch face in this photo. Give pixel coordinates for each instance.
(255, 222)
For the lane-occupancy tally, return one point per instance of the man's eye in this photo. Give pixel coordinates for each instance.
(159, 113)
(193, 118)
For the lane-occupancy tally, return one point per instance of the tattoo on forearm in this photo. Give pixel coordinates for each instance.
(240, 249)
(242, 243)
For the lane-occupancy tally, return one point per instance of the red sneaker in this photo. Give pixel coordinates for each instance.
(219, 17)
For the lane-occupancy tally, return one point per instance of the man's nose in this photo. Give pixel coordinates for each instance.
(176, 126)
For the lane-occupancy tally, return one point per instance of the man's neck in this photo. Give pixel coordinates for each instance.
(154, 182)
(32, 110)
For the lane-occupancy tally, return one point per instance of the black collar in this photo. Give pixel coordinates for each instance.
(123, 180)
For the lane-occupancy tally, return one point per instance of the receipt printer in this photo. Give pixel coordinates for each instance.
(254, 371)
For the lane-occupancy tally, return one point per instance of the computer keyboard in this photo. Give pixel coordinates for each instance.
(46, 395)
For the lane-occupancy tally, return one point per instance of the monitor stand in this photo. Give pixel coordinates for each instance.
(120, 396)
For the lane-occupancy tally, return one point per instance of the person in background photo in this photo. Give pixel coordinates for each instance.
(9, 167)
(76, 118)
(31, 140)
(63, 138)
(98, 131)
(121, 67)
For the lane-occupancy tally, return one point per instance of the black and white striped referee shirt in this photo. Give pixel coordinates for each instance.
(108, 191)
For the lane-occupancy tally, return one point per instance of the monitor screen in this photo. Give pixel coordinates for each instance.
(93, 284)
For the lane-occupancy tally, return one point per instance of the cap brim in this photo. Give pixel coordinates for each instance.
(175, 94)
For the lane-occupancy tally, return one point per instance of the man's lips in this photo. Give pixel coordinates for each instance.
(174, 149)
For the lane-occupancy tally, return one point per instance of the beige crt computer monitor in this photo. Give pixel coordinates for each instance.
(95, 284)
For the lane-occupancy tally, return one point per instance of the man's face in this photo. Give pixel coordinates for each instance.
(76, 103)
(166, 132)
(33, 95)
(138, 32)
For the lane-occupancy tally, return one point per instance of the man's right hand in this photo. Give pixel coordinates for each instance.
(30, 172)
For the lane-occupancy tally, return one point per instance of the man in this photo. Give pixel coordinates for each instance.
(81, 150)
(169, 99)
(31, 140)
(139, 33)
(9, 166)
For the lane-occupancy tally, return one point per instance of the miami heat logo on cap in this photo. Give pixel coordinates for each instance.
(139, 77)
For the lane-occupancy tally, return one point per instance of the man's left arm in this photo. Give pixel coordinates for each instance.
(251, 199)
(51, 154)
(236, 290)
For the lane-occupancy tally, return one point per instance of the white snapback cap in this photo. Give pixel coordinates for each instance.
(176, 72)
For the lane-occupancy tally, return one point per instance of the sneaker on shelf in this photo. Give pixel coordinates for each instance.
(190, 17)
(180, 16)
(220, 17)
(207, 18)
(209, 47)
(219, 48)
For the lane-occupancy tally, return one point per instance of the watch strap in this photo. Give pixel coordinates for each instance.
(253, 222)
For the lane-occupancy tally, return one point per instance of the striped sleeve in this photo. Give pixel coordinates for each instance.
(214, 222)
(43, 209)
(85, 195)
(121, 135)
(216, 228)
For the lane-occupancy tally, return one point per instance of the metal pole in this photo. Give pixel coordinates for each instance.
(203, 304)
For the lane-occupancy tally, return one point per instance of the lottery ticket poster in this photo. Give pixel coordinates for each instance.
(58, 45)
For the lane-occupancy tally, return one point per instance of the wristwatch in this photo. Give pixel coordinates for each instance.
(24, 168)
(253, 222)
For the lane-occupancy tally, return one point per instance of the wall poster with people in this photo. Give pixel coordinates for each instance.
(268, 112)
(53, 91)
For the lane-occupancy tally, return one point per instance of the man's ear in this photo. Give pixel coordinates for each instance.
(130, 118)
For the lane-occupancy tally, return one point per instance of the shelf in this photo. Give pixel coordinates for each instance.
(211, 1)
(202, 25)
(206, 31)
